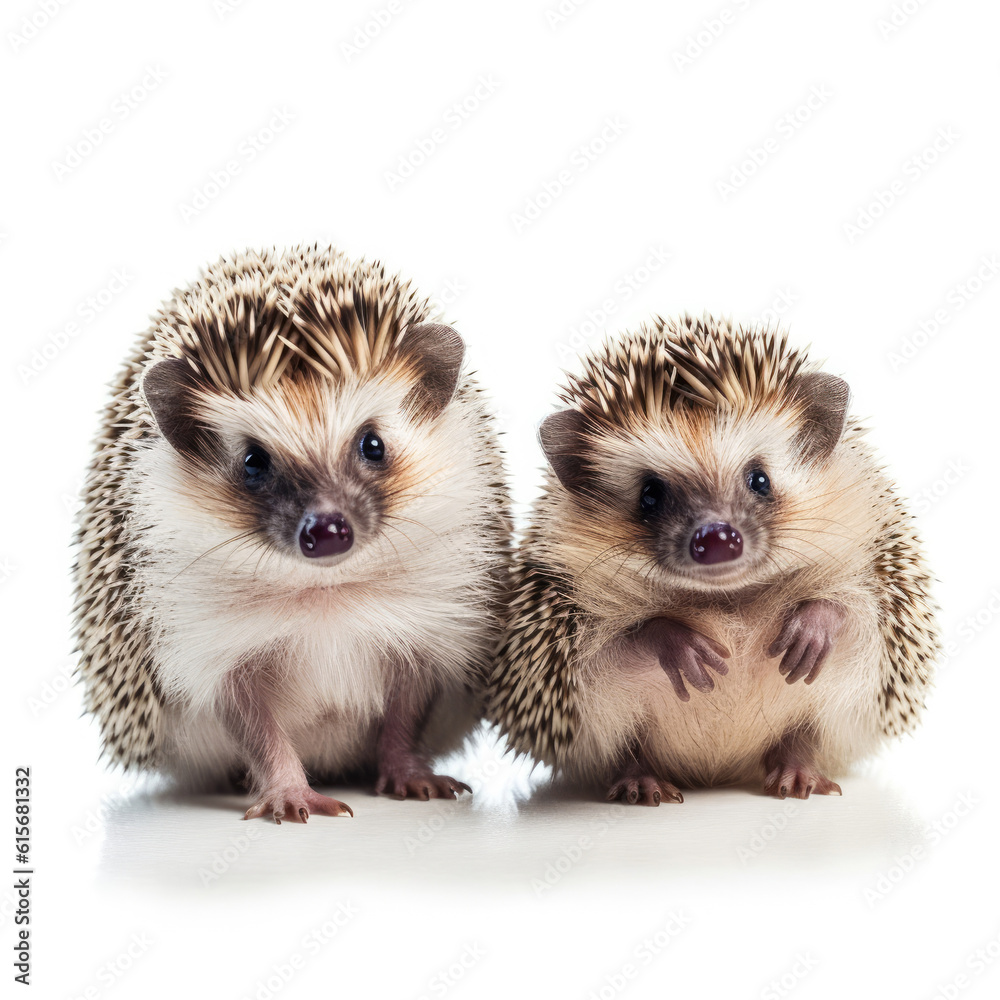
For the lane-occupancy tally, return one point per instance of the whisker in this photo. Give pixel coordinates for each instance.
(242, 535)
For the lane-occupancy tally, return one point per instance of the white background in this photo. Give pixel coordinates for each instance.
(887, 892)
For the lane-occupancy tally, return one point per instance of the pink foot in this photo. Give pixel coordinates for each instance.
(644, 789)
(296, 804)
(806, 638)
(798, 781)
(419, 783)
(683, 653)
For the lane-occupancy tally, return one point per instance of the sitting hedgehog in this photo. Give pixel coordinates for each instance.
(294, 541)
(719, 584)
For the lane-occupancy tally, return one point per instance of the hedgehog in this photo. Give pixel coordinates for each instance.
(719, 584)
(293, 551)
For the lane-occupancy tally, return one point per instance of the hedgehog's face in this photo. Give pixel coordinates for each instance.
(701, 499)
(316, 469)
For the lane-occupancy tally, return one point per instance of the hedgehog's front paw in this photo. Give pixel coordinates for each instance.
(806, 638)
(798, 781)
(683, 653)
(296, 805)
(644, 789)
(417, 782)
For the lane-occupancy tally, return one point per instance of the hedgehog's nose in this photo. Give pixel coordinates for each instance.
(325, 535)
(715, 543)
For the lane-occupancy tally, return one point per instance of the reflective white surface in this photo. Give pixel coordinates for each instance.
(537, 888)
(888, 892)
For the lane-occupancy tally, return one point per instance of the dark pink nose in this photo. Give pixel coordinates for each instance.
(715, 543)
(325, 535)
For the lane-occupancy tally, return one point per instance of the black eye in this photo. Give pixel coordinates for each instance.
(372, 447)
(256, 464)
(652, 495)
(759, 483)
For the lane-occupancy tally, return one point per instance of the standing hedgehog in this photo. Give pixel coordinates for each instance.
(714, 521)
(293, 547)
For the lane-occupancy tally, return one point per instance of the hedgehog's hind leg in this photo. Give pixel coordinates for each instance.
(789, 765)
(245, 706)
(636, 783)
(403, 771)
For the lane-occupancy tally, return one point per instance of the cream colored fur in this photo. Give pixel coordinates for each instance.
(414, 598)
(820, 549)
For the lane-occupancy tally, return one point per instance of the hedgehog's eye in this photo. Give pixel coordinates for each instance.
(652, 495)
(372, 447)
(256, 464)
(758, 482)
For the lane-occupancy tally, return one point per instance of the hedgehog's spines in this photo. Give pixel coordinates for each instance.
(532, 691)
(249, 320)
(632, 380)
(907, 621)
(681, 362)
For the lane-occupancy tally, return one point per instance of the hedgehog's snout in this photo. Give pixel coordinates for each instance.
(325, 534)
(715, 543)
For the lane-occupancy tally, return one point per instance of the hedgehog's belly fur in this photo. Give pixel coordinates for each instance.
(333, 745)
(720, 737)
(331, 678)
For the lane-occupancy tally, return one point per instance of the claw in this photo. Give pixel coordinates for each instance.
(645, 789)
(296, 805)
(799, 782)
(422, 785)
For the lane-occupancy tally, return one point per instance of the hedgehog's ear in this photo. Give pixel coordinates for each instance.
(562, 440)
(168, 387)
(823, 399)
(436, 352)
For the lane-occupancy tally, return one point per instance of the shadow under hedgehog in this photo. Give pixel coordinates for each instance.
(292, 555)
(712, 520)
